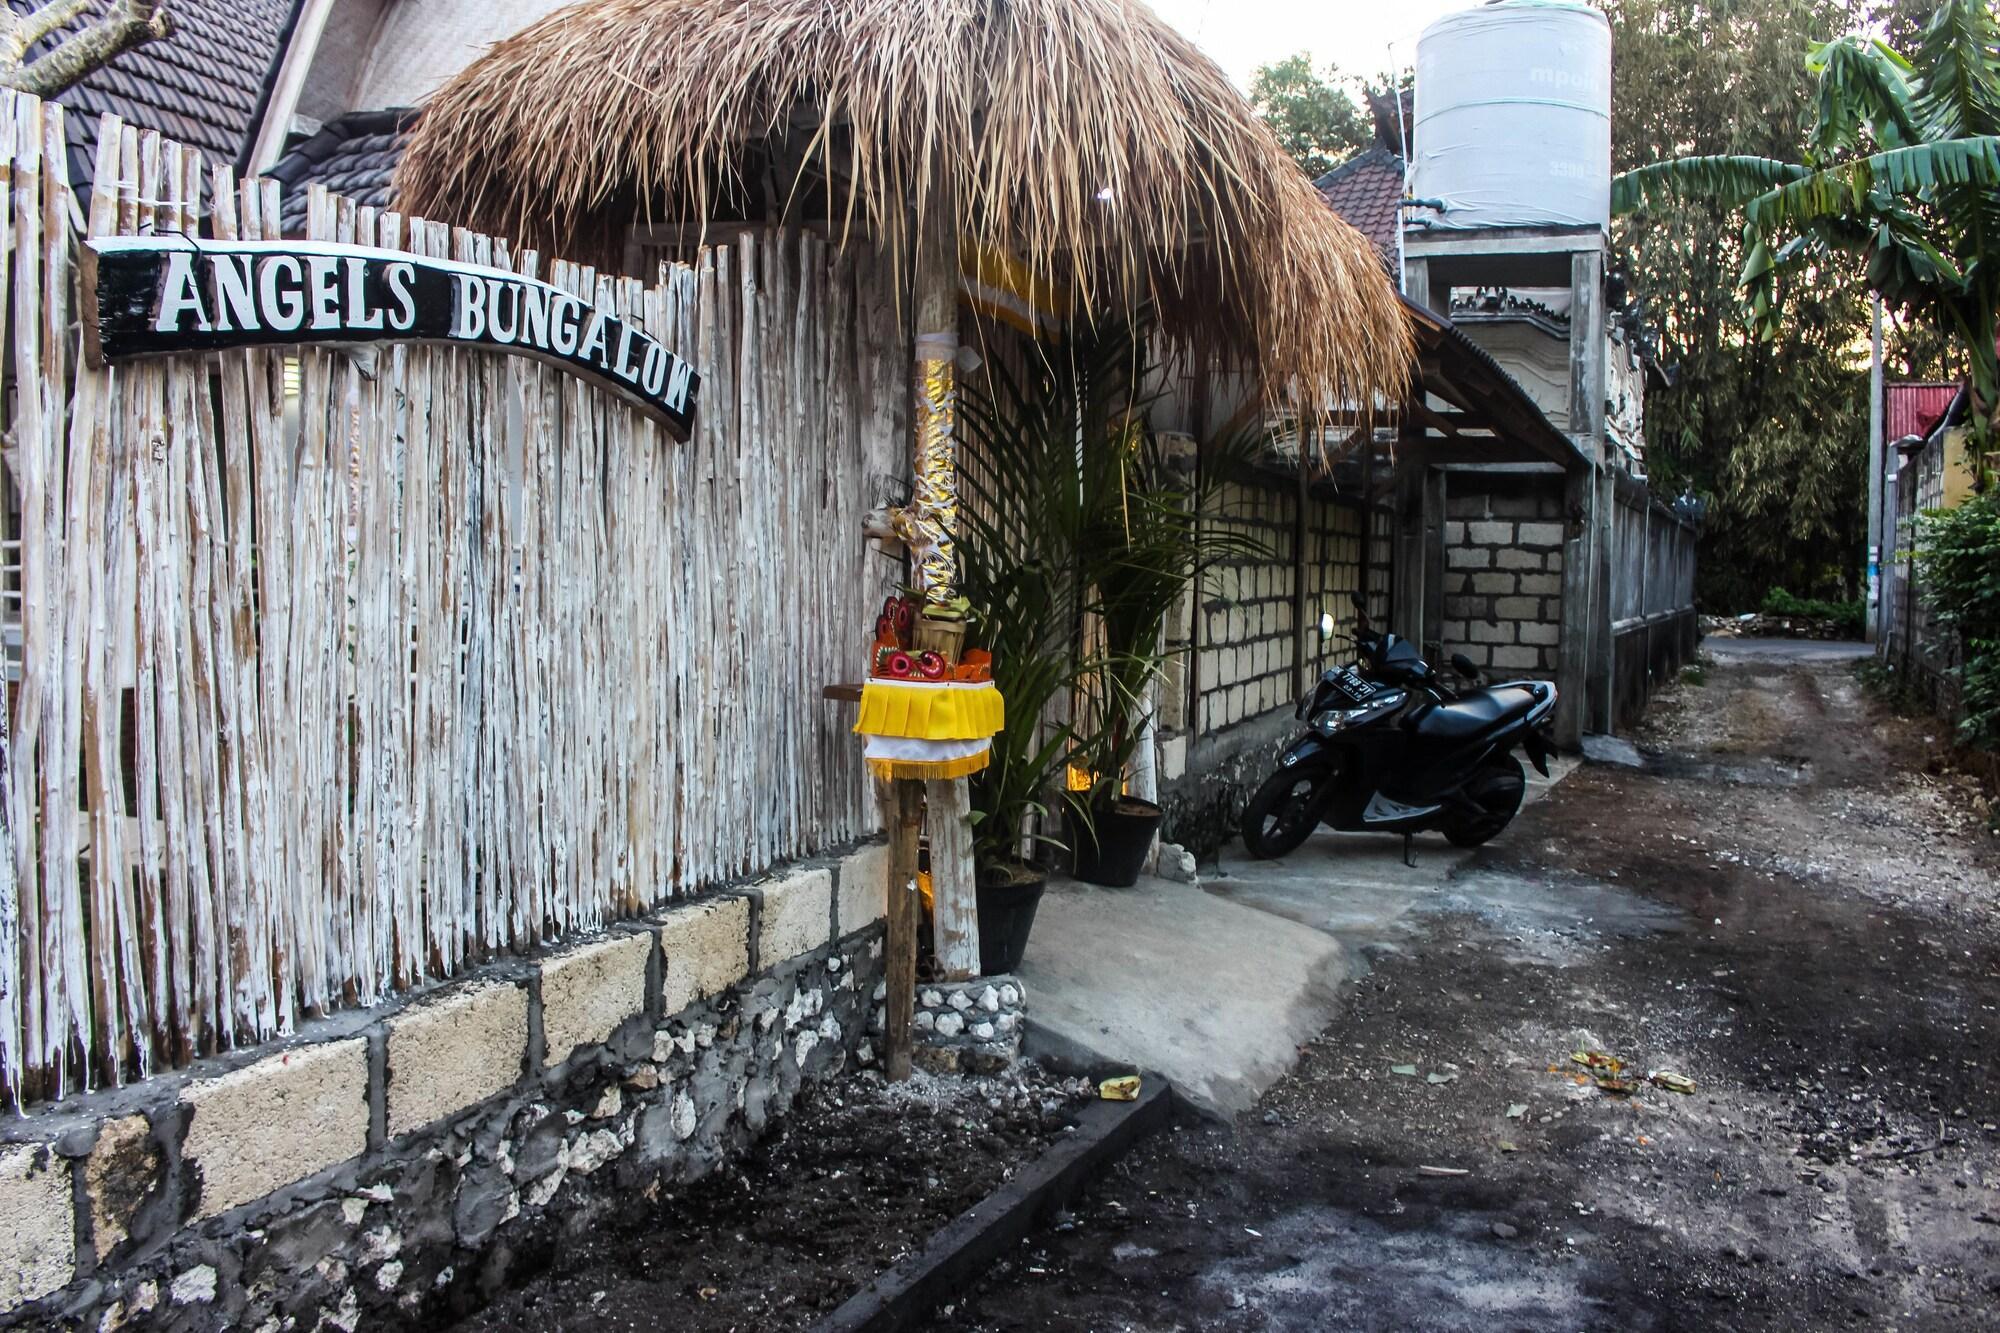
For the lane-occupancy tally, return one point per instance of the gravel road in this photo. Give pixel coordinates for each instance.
(1793, 903)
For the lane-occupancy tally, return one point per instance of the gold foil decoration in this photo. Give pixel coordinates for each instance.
(935, 511)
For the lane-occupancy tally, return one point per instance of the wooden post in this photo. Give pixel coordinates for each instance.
(954, 892)
(903, 812)
(1573, 653)
(1301, 530)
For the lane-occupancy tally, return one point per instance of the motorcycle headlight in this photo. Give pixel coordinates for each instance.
(1339, 719)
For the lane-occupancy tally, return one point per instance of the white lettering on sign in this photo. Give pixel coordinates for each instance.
(235, 294)
(399, 278)
(159, 296)
(179, 296)
(284, 307)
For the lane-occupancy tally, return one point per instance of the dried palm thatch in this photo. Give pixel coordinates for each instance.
(1085, 136)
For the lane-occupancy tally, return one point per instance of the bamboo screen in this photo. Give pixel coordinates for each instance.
(434, 654)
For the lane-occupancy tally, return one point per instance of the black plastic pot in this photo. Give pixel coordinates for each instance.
(1007, 897)
(1112, 851)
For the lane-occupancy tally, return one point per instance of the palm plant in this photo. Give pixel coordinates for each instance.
(1021, 493)
(1902, 168)
(1076, 540)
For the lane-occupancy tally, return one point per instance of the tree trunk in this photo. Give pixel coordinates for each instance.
(125, 25)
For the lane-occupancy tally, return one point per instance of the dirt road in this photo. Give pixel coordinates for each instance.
(1782, 905)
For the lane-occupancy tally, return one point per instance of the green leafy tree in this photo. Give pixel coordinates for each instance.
(1770, 431)
(1315, 115)
(1959, 550)
(1899, 170)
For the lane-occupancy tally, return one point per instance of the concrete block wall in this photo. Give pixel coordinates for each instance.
(383, 1169)
(1212, 756)
(1248, 607)
(1503, 572)
(1334, 535)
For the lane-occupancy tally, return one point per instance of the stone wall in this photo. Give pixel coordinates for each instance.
(1249, 637)
(974, 1026)
(1503, 574)
(387, 1169)
(1247, 611)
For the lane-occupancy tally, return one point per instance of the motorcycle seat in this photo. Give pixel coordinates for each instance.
(1475, 714)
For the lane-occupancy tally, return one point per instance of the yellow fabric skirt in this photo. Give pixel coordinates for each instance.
(931, 710)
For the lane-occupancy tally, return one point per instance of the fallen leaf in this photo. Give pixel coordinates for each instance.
(1507, 1145)
(1451, 1172)
(1517, 1110)
(1407, 1071)
(1672, 1082)
(1439, 1078)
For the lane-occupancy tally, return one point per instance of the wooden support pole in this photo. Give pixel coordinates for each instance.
(904, 814)
(954, 892)
(1301, 531)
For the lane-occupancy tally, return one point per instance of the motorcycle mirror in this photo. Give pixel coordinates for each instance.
(1464, 666)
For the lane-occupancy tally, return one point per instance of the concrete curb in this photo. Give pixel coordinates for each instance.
(955, 1257)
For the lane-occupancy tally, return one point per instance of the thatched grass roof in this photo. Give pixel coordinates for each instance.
(1085, 136)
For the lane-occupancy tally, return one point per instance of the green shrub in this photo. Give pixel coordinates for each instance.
(1958, 557)
(1849, 617)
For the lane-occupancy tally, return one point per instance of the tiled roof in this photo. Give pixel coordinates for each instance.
(1914, 409)
(354, 155)
(202, 86)
(1367, 190)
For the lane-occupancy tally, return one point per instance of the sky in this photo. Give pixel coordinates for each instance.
(1365, 37)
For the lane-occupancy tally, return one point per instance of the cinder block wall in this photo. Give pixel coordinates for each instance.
(1247, 609)
(1213, 756)
(1333, 575)
(384, 1169)
(1503, 549)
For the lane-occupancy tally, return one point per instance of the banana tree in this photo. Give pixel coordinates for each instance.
(1902, 168)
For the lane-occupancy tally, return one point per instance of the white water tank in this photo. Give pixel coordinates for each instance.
(1513, 116)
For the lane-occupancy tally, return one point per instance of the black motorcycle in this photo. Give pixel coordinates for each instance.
(1393, 748)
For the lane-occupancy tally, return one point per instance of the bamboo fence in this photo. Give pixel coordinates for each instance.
(342, 672)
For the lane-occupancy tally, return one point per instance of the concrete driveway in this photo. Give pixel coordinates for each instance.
(1218, 985)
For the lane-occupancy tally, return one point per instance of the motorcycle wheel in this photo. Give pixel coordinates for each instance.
(1282, 813)
(1497, 790)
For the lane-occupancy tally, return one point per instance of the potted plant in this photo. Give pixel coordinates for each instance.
(1019, 485)
(1077, 540)
(1143, 548)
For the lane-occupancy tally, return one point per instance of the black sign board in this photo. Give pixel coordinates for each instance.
(158, 296)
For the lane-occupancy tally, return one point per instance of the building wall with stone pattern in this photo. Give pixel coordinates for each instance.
(383, 1170)
(1220, 734)
(1247, 609)
(1503, 573)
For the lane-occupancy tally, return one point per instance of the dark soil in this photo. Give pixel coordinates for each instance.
(859, 1175)
(1790, 907)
